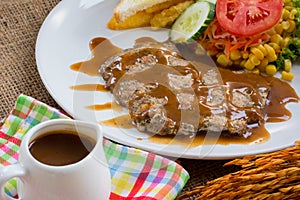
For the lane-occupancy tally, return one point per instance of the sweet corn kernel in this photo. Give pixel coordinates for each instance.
(285, 41)
(276, 38)
(271, 69)
(235, 55)
(274, 45)
(292, 14)
(263, 64)
(269, 49)
(257, 52)
(253, 58)
(272, 31)
(242, 63)
(245, 54)
(285, 14)
(271, 53)
(278, 28)
(285, 25)
(223, 60)
(262, 49)
(289, 6)
(255, 71)
(287, 65)
(291, 27)
(249, 65)
(272, 58)
(288, 76)
(237, 62)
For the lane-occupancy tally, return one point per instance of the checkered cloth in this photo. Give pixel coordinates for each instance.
(135, 174)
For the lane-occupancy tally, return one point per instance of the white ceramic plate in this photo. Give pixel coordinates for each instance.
(63, 40)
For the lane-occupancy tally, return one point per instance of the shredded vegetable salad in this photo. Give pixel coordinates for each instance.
(267, 52)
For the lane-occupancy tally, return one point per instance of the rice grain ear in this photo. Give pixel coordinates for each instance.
(273, 175)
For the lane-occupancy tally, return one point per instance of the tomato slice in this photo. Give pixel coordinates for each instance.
(248, 17)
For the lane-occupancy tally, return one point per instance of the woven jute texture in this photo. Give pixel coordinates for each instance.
(20, 21)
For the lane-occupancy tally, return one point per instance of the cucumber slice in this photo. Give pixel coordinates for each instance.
(212, 1)
(193, 21)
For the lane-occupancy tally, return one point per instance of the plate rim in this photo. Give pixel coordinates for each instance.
(189, 155)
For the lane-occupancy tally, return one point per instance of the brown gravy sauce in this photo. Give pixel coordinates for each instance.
(106, 106)
(123, 121)
(281, 94)
(259, 135)
(90, 87)
(91, 67)
(60, 148)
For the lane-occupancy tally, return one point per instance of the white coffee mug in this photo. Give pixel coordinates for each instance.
(87, 179)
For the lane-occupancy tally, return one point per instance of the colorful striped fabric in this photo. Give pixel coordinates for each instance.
(136, 174)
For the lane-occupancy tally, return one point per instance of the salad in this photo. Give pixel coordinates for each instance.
(261, 36)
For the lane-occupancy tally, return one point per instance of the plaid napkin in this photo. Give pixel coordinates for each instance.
(135, 174)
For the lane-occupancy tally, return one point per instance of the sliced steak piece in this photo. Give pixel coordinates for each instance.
(168, 95)
(136, 59)
(178, 114)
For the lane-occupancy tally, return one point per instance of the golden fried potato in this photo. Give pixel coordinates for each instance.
(167, 17)
(165, 5)
(140, 19)
(158, 16)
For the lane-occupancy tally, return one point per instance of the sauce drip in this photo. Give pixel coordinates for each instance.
(90, 87)
(259, 135)
(91, 67)
(106, 106)
(123, 121)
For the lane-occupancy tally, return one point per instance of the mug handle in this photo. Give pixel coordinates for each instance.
(7, 173)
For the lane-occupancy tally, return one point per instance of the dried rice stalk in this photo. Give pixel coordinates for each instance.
(265, 176)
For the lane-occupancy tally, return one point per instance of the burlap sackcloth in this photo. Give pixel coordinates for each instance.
(20, 21)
